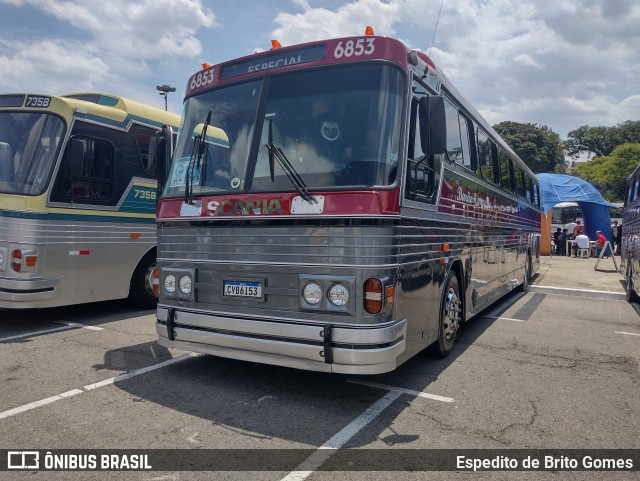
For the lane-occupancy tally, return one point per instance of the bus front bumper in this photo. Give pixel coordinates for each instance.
(26, 293)
(356, 349)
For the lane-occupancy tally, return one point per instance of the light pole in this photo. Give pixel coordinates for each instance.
(164, 90)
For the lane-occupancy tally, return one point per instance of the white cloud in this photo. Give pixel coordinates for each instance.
(51, 66)
(142, 28)
(521, 60)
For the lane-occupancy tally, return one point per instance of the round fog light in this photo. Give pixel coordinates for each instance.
(312, 293)
(338, 295)
(170, 283)
(185, 285)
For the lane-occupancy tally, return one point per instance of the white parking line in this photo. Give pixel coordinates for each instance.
(498, 318)
(91, 387)
(328, 449)
(402, 390)
(627, 333)
(66, 327)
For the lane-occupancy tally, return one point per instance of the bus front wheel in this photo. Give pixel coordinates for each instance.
(143, 288)
(450, 317)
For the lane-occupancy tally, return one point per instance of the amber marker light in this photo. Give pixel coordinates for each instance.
(275, 44)
(369, 30)
(391, 291)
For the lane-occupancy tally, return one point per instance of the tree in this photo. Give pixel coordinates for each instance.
(600, 141)
(609, 174)
(539, 146)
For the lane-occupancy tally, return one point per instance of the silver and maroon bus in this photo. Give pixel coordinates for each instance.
(630, 240)
(337, 206)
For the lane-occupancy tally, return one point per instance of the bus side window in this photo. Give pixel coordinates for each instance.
(454, 144)
(420, 171)
(520, 185)
(87, 172)
(505, 171)
(466, 135)
(485, 162)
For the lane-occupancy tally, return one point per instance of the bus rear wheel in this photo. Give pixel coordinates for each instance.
(144, 283)
(450, 317)
(629, 288)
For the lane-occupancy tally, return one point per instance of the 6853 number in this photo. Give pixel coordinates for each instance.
(361, 46)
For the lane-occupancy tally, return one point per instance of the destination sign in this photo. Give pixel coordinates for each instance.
(276, 60)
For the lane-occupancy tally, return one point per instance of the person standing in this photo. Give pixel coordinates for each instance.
(569, 226)
(578, 229)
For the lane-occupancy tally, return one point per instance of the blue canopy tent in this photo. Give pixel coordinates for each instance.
(556, 188)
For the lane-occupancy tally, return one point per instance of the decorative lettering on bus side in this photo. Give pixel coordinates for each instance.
(244, 207)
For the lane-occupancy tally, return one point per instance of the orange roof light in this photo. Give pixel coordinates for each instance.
(369, 30)
(275, 44)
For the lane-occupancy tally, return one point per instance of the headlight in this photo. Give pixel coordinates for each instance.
(170, 283)
(312, 293)
(185, 285)
(338, 295)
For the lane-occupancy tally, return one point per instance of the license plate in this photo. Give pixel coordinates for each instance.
(242, 289)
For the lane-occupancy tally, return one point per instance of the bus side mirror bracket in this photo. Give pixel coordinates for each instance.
(433, 125)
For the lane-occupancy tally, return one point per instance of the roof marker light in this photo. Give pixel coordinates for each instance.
(275, 44)
(369, 30)
(205, 66)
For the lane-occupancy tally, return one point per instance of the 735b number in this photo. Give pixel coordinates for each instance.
(38, 101)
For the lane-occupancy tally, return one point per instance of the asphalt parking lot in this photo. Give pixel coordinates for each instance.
(556, 368)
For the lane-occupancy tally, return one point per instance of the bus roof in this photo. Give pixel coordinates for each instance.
(117, 110)
(100, 102)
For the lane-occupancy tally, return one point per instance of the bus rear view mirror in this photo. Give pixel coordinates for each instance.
(160, 152)
(433, 125)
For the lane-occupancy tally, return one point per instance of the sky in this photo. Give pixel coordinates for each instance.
(559, 63)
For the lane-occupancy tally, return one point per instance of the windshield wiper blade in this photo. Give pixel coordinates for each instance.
(195, 160)
(277, 154)
(290, 171)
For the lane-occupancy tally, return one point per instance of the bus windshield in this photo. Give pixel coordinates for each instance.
(333, 128)
(28, 147)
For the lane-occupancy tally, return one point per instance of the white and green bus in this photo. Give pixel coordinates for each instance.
(77, 199)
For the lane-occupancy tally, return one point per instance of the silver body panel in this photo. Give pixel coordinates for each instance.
(62, 276)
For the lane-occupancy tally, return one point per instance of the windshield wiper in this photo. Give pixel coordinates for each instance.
(198, 151)
(276, 153)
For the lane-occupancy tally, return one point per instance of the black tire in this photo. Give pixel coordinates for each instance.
(450, 317)
(141, 290)
(526, 281)
(629, 288)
